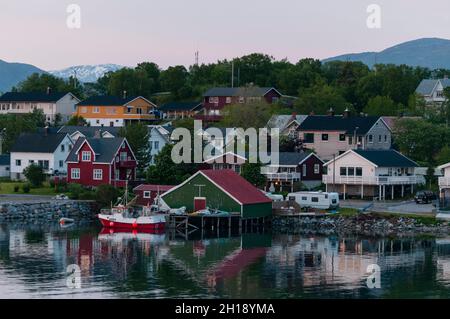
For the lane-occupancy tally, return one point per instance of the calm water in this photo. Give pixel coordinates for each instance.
(34, 259)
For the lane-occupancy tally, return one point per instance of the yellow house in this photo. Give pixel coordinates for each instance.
(115, 111)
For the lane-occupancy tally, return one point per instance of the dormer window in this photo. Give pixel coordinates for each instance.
(86, 156)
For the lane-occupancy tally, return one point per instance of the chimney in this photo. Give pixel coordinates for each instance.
(46, 131)
(49, 90)
(124, 94)
(346, 113)
(331, 112)
(98, 133)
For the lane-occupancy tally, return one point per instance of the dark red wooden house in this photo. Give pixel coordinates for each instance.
(146, 193)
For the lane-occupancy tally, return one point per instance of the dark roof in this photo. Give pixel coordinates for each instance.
(253, 91)
(153, 188)
(339, 123)
(5, 159)
(386, 158)
(107, 100)
(179, 106)
(105, 148)
(237, 186)
(31, 97)
(426, 86)
(38, 142)
(89, 131)
(292, 158)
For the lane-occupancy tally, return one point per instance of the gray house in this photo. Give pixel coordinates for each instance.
(432, 90)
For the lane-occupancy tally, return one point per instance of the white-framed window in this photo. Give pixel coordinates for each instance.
(241, 99)
(98, 174)
(156, 145)
(117, 174)
(86, 156)
(96, 109)
(228, 100)
(75, 173)
(304, 170)
(18, 162)
(147, 194)
(370, 138)
(63, 147)
(30, 162)
(213, 99)
(123, 156)
(83, 110)
(316, 168)
(61, 163)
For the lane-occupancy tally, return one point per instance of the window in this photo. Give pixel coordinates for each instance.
(385, 138)
(156, 144)
(358, 171)
(111, 110)
(350, 140)
(342, 137)
(31, 162)
(63, 147)
(214, 99)
(304, 168)
(96, 110)
(18, 162)
(241, 99)
(61, 163)
(324, 137)
(351, 171)
(123, 156)
(117, 174)
(97, 121)
(315, 199)
(146, 194)
(343, 171)
(308, 138)
(228, 100)
(139, 110)
(379, 138)
(83, 110)
(86, 156)
(98, 174)
(304, 198)
(316, 168)
(370, 138)
(75, 173)
(43, 164)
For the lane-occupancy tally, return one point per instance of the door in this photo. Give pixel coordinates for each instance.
(199, 203)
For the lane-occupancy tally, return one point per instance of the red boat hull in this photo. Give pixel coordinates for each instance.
(128, 226)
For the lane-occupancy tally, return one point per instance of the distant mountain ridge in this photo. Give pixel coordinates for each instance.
(432, 53)
(86, 73)
(13, 73)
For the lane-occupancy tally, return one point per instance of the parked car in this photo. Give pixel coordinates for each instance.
(318, 200)
(425, 197)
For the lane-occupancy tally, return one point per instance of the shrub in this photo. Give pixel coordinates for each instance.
(75, 190)
(16, 188)
(105, 194)
(35, 175)
(26, 188)
(87, 195)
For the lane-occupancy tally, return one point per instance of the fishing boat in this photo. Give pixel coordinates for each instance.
(123, 217)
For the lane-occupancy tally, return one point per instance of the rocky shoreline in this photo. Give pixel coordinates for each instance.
(49, 210)
(370, 225)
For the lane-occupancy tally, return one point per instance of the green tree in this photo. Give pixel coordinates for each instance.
(443, 156)
(319, 99)
(252, 173)
(41, 82)
(76, 120)
(247, 115)
(175, 80)
(106, 194)
(137, 136)
(381, 105)
(35, 175)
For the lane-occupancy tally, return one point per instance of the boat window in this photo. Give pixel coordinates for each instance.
(304, 198)
(315, 199)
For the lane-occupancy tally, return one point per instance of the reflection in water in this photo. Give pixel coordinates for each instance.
(34, 258)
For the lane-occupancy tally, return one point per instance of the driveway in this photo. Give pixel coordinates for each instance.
(402, 207)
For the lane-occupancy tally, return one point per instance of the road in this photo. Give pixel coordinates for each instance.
(403, 207)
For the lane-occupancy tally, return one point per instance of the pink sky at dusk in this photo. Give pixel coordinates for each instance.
(169, 32)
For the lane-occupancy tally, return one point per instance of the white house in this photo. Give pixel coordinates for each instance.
(372, 173)
(444, 181)
(4, 165)
(46, 149)
(432, 90)
(159, 136)
(50, 103)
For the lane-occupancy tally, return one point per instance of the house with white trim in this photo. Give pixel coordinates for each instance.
(432, 90)
(382, 174)
(46, 149)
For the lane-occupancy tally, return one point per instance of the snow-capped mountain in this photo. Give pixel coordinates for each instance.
(86, 73)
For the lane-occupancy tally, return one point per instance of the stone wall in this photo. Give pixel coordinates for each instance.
(49, 210)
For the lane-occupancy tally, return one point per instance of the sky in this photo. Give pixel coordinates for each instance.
(169, 32)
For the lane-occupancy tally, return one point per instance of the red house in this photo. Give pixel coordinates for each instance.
(97, 161)
(146, 193)
(217, 98)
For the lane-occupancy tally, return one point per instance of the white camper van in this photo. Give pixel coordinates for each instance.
(319, 200)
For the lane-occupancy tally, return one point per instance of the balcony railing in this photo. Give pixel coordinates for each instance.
(373, 180)
(127, 164)
(282, 176)
(444, 181)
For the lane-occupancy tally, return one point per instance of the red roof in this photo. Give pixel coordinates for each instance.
(153, 188)
(237, 186)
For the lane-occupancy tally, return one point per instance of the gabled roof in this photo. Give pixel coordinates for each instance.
(282, 121)
(105, 148)
(5, 159)
(38, 142)
(32, 97)
(253, 91)
(339, 123)
(232, 184)
(426, 86)
(89, 131)
(109, 100)
(294, 158)
(179, 106)
(381, 158)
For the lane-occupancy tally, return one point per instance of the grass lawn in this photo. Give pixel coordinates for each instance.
(8, 188)
(420, 219)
